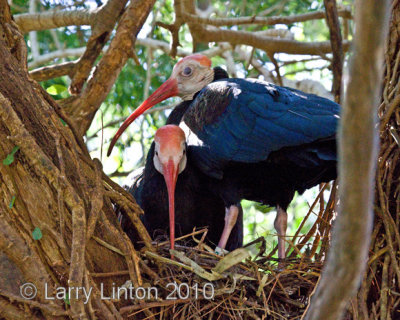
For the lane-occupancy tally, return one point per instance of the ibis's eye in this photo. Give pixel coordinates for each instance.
(187, 71)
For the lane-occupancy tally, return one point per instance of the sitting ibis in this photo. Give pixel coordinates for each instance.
(259, 141)
(183, 203)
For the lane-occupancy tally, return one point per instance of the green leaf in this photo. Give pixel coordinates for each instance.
(37, 234)
(14, 150)
(56, 89)
(11, 205)
(63, 122)
(10, 157)
(7, 161)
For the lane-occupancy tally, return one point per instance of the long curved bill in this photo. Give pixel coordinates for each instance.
(170, 176)
(168, 89)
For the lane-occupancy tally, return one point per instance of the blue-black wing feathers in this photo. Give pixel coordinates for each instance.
(244, 120)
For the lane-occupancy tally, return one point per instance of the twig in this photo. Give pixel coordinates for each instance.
(110, 274)
(276, 65)
(332, 18)
(58, 54)
(108, 246)
(384, 288)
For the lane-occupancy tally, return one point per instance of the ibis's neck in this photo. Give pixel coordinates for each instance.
(220, 73)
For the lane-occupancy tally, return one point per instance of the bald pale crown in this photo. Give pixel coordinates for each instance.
(192, 74)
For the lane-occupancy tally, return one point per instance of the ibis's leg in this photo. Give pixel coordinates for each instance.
(280, 225)
(231, 215)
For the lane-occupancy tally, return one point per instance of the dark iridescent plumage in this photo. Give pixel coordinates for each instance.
(244, 121)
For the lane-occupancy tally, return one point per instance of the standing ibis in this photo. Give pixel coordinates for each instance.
(259, 141)
(180, 203)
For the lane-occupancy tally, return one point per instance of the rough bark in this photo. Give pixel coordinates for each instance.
(52, 184)
(358, 146)
(53, 19)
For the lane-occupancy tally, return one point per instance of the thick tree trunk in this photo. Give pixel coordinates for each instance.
(56, 219)
(358, 149)
(378, 296)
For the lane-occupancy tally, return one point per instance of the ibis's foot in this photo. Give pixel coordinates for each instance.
(221, 252)
(231, 215)
(280, 225)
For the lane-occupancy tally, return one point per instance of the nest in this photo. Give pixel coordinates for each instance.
(247, 283)
(198, 284)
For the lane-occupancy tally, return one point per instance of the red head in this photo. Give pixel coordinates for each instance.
(189, 76)
(170, 160)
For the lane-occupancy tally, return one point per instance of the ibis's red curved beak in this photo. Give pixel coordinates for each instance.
(171, 175)
(168, 89)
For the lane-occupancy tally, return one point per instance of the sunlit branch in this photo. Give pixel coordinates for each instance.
(265, 21)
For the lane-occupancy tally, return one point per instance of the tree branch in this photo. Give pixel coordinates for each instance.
(267, 44)
(45, 167)
(265, 21)
(337, 48)
(358, 146)
(54, 71)
(53, 19)
(58, 54)
(175, 27)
